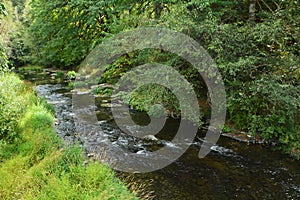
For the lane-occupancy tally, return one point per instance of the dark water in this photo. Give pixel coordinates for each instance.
(232, 170)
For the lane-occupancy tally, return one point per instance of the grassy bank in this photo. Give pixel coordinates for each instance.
(34, 164)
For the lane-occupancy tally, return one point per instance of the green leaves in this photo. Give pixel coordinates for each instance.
(3, 57)
(2, 9)
(266, 107)
(259, 61)
(13, 102)
(65, 31)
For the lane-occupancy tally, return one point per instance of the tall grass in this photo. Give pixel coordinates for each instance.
(35, 164)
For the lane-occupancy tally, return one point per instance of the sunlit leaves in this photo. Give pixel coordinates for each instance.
(65, 30)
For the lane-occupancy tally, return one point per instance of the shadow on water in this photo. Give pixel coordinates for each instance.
(232, 170)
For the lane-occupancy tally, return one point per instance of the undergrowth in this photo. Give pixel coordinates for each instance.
(34, 162)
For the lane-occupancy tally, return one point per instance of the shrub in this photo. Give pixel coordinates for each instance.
(71, 75)
(3, 59)
(14, 99)
(268, 108)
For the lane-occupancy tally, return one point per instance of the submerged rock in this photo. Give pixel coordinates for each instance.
(151, 138)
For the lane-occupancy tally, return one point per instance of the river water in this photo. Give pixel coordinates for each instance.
(232, 170)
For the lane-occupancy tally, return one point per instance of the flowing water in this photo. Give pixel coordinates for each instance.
(232, 170)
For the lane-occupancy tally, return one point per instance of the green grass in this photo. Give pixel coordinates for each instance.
(35, 164)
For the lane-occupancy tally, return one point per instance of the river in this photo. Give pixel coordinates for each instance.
(232, 170)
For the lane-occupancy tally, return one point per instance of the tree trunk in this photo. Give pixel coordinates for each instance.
(252, 11)
(158, 7)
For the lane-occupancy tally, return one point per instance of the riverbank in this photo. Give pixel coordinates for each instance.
(288, 144)
(230, 161)
(35, 163)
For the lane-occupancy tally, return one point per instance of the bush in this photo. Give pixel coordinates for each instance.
(14, 99)
(3, 59)
(266, 107)
(71, 75)
(260, 67)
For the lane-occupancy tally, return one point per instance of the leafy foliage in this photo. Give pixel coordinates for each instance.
(15, 43)
(2, 9)
(256, 52)
(13, 103)
(71, 75)
(66, 31)
(3, 57)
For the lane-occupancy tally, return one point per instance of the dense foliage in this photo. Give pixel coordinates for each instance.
(256, 44)
(34, 162)
(12, 106)
(3, 57)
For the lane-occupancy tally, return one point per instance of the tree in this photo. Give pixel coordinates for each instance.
(252, 11)
(3, 57)
(254, 42)
(66, 31)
